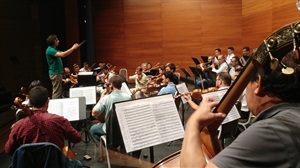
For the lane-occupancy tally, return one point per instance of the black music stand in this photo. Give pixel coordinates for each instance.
(198, 73)
(186, 74)
(204, 58)
(196, 61)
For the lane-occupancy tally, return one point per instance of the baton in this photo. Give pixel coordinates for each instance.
(81, 43)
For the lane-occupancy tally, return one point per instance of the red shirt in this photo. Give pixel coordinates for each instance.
(41, 127)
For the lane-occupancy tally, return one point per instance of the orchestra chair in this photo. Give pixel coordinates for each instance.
(123, 72)
(42, 154)
(244, 123)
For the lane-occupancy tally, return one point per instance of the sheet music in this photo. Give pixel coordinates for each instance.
(72, 109)
(181, 88)
(148, 122)
(85, 73)
(88, 92)
(125, 89)
(218, 95)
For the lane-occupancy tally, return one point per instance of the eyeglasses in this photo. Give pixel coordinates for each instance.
(218, 79)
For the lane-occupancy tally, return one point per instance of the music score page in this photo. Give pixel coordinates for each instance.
(148, 122)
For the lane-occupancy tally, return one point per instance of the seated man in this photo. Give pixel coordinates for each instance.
(105, 105)
(140, 83)
(41, 126)
(168, 78)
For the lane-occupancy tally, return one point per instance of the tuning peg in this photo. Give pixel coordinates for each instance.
(286, 70)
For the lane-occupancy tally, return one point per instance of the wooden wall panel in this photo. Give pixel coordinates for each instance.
(261, 18)
(165, 30)
(109, 32)
(175, 30)
(142, 23)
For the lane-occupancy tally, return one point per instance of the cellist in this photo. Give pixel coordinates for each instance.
(272, 140)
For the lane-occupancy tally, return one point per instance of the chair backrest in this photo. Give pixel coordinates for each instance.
(123, 72)
(43, 154)
(113, 133)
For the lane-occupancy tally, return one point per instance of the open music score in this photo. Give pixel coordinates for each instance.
(88, 92)
(73, 109)
(125, 89)
(148, 122)
(217, 95)
(181, 88)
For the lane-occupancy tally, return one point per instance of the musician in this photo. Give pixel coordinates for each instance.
(85, 68)
(273, 138)
(20, 113)
(217, 52)
(140, 82)
(223, 65)
(230, 51)
(76, 71)
(55, 64)
(104, 76)
(105, 105)
(168, 78)
(246, 55)
(68, 82)
(41, 126)
(234, 65)
(171, 67)
(207, 70)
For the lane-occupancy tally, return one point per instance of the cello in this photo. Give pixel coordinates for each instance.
(267, 57)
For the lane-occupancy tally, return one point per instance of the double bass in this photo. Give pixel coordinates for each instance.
(280, 42)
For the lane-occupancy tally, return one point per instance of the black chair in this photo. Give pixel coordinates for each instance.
(42, 154)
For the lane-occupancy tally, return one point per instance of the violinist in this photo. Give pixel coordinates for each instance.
(273, 138)
(168, 78)
(223, 81)
(41, 126)
(20, 113)
(105, 75)
(172, 68)
(140, 83)
(105, 105)
(85, 68)
(68, 82)
(207, 70)
(76, 71)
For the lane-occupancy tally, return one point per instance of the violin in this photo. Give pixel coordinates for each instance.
(197, 93)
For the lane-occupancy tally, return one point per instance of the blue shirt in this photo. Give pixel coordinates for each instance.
(170, 88)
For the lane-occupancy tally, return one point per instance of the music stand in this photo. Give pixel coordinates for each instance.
(197, 72)
(86, 79)
(196, 61)
(204, 58)
(186, 74)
